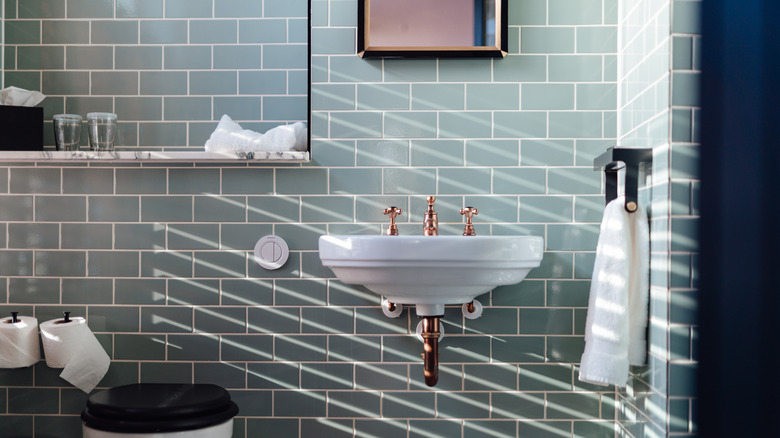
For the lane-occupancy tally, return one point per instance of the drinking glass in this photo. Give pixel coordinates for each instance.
(67, 131)
(102, 131)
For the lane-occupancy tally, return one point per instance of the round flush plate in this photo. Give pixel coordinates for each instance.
(271, 252)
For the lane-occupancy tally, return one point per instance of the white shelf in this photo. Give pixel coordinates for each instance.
(178, 156)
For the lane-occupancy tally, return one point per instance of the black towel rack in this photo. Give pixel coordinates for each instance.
(609, 162)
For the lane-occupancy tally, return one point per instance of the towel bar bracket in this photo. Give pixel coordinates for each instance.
(633, 158)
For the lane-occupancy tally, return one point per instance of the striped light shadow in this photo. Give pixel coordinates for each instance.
(377, 319)
(231, 273)
(296, 341)
(156, 319)
(507, 151)
(179, 347)
(318, 93)
(463, 352)
(242, 300)
(551, 145)
(379, 371)
(548, 429)
(212, 312)
(335, 425)
(346, 312)
(192, 237)
(278, 312)
(472, 122)
(352, 408)
(509, 414)
(400, 427)
(544, 379)
(405, 356)
(485, 432)
(297, 295)
(414, 406)
(492, 386)
(355, 291)
(337, 217)
(243, 347)
(273, 380)
(194, 284)
(571, 413)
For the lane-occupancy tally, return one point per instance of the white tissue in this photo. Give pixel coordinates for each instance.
(20, 97)
(19, 346)
(229, 136)
(73, 346)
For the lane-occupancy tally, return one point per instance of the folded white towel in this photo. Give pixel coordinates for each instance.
(619, 294)
(229, 136)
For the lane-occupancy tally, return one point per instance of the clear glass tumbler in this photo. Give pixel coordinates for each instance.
(67, 132)
(102, 131)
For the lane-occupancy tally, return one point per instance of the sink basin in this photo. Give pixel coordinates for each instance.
(430, 271)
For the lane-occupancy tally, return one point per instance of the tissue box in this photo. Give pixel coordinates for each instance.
(21, 128)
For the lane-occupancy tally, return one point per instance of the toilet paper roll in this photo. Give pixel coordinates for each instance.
(72, 346)
(19, 346)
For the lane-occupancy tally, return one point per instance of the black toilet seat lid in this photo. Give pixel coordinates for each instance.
(158, 407)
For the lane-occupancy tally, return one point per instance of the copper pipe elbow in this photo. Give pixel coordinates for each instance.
(430, 334)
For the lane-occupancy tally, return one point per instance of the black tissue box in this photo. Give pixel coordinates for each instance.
(21, 128)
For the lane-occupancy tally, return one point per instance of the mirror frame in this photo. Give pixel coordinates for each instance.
(366, 50)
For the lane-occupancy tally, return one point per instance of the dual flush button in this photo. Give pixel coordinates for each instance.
(271, 252)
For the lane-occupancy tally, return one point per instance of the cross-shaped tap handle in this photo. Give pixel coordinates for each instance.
(392, 211)
(469, 212)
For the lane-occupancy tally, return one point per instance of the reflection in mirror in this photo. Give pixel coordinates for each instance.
(432, 28)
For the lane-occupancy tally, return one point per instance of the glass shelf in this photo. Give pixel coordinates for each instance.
(170, 156)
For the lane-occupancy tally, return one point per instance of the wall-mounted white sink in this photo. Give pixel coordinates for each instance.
(430, 271)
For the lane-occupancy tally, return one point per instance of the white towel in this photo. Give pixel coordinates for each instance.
(619, 293)
(229, 136)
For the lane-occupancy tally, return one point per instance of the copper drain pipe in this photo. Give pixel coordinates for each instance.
(430, 334)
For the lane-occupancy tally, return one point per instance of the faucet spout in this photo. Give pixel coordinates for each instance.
(431, 219)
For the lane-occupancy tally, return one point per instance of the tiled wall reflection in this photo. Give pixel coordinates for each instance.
(158, 256)
(169, 69)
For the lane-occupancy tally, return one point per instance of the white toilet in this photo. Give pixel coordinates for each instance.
(160, 410)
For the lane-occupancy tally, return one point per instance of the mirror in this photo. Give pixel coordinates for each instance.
(432, 28)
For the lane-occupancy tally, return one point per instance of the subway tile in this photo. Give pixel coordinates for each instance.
(169, 372)
(213, 82)
(546, 152)
(349, 348)
(273, 208)
(213, 31)
(138, 291)
(382, 97)
(596, 96)
(573, 181)
(518, 181)
(274, 320)
(34, 180)
(139, 347)
(166, 208)
(33, 401)
(193, 347)
(356, 125)
(247, 348)
(220, 320)
(13, 263)
(328, 376)
(332, 41)
(138, 57)
(597, 39)
(492, 96)
(384, 152)
(575, 12)
(239, 57)
(519, 124)
(427, 428)
(547, 40)
(186, 57)
(354, 69)
(163, 32)
(60, 263)
(162, 134)
(16, 208)
(465, 124)
(163, 82)
(222, 264)
(309, 348)
(186, 108)
(437, 153)
(60, 208)
(113, 319)
(33, 236)
(166, 320)
(193, 181)
(262, 31)
(565, 349)
(86, 236)
(139, 236)
(226, 375)
(529, 12)
(517, 405)
(23, 32)
(521, 68)
(576, 68)
(408, 404)
(545, 209)
(463, 181)
(91, 9)
(274, 375)
(87, 181)
(548, 96)
(40, 58)
(438, 97)
(139, 8)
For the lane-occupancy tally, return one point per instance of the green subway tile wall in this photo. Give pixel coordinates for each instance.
(658, 108)
(169, 69)
(158, 257)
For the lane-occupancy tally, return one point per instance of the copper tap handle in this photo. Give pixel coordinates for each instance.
(469, 212)
(392, 211)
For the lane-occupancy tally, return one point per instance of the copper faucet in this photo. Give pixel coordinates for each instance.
(392, 211)
(431, 220)
(469, 212)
